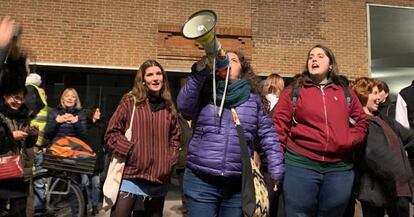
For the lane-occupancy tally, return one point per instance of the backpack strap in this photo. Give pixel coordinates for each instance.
(295, 95)
(347, 95)
(294, 98)
(348, 98)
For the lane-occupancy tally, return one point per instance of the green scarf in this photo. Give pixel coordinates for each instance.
(238, 92)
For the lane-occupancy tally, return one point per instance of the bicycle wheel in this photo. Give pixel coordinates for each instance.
(64, 199)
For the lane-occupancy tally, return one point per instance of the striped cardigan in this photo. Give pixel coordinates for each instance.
(153, 149)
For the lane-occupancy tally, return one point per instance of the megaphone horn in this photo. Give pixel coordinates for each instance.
(200, 27)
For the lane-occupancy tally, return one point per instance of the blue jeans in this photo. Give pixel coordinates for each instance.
(39, 184)
(96, 191)
(209, 196)
(309, 193)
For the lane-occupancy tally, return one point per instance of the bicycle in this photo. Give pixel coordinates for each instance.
(63, 196)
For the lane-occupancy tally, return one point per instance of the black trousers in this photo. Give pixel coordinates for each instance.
(399, 208)
(276, 203)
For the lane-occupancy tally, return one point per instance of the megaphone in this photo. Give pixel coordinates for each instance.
(200, 27)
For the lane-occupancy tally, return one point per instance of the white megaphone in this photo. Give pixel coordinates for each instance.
(200, 27)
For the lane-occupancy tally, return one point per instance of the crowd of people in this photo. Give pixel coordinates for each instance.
(322, 142)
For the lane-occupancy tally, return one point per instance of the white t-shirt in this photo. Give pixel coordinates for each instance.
(272, 100)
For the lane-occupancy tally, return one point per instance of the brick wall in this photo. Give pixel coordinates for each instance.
(276, 34)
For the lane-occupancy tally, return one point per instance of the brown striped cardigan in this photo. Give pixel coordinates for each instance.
(153, 149)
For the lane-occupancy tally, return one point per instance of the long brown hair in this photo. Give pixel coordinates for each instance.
(333, 70)
(140, 91)
(248, 74)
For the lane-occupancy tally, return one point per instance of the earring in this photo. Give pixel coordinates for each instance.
(143, 83)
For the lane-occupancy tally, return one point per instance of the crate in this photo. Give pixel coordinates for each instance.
(74, 165)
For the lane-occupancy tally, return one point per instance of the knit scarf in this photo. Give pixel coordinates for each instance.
(237, 93)
(156, 102)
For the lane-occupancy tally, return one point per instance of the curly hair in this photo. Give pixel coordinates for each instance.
(363, 87)
(248, 74)
(140, 91)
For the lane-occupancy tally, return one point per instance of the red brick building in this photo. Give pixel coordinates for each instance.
(275, 34)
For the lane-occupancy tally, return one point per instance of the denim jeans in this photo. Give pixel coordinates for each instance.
(96, 191)
(39, 184)
(209, 196)
(309, 193)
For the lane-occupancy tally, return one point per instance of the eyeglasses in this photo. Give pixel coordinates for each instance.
(17, 98)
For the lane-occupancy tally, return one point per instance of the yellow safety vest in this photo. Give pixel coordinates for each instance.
(41, 118)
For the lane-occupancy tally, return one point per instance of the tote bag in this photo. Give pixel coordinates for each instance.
(255, 200)
(115, 170)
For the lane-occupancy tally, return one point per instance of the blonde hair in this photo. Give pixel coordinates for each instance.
(274, 84)
(78, 104)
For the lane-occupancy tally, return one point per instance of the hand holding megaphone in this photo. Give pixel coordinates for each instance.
(221, 61)
(200, 27)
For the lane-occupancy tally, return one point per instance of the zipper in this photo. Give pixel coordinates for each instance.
(326, 121)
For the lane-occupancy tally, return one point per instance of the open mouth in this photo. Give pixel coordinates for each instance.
(315, 66)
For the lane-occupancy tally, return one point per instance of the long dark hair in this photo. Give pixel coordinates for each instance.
(333, 69)
(140, 91)
(248, 74)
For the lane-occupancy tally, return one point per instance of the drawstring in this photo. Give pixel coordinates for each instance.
(220, 111)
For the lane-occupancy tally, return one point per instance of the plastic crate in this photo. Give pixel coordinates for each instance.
(74, 165)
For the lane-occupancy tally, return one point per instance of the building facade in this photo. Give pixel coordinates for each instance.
(118, 35)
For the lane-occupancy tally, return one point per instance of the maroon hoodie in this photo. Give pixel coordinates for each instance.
(320, 128)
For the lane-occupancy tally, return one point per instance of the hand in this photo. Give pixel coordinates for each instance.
(275, 188)
(73, 119)
(203, 63)
(275, 185)
(32, 131)
(7, 29)
(19, 135)
(60, 118)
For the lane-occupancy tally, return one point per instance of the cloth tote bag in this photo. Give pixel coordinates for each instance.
(115, 170)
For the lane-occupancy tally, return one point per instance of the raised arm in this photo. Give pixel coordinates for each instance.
(188, 100)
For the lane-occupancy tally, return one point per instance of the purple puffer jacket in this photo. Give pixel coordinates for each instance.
(215, 148)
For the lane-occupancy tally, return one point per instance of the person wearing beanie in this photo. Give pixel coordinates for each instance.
(35, 100)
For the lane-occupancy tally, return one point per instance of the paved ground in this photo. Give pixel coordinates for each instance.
(172, 206)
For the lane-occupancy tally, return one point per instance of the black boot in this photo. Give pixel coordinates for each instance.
(94, 210)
